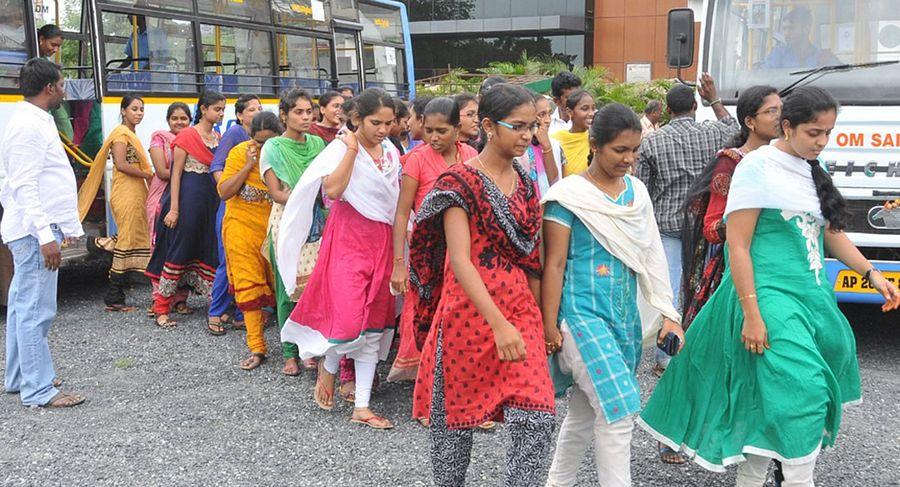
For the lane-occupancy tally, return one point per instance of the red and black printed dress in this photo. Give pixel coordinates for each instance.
(505, 240)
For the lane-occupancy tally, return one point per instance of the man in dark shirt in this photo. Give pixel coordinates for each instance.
(672, 157)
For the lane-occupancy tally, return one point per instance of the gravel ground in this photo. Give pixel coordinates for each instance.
(173, 408)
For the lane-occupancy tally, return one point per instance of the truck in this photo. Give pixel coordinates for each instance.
(852, 49)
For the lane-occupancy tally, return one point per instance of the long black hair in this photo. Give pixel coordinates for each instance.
(804, 105)
(265, 121)
(206, 99)
(694, 246)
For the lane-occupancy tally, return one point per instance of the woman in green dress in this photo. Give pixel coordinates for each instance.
(770, 360)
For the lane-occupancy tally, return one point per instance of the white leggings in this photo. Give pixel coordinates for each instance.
(365, 361)
(752, 473)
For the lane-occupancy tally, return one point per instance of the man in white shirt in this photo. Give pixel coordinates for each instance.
(560, 87)
(651, 118)
(40, 203)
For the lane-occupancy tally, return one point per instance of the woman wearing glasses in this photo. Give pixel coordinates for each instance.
(485, 358)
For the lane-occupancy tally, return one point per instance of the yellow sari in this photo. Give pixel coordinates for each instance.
(244, 229)
(575, 149)
(127, 200)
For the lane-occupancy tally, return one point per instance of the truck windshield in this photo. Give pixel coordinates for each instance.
(763, 42)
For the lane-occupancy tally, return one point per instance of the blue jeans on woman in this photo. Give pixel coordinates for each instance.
(30, 311)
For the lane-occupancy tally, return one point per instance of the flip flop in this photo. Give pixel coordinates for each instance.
(329, 394)
(120, 308)
(248, 365)
(487, 426)
(57, 382)
(216, 333)
(372, 422)
(63, 400)
(665, 451)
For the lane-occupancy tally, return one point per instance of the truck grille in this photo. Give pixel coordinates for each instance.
(859, 218)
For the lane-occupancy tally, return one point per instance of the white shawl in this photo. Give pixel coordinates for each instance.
(770, 178)
(630, 234)
(372, 192)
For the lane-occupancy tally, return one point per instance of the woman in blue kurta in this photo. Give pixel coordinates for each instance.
(602, 245)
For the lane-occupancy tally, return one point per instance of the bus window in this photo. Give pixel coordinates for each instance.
(385, 69)
(344, 9)
(66, 14)
(304, 14)
(75, 56)
(380, 24)
(148, 54)
(252, 10)
(763, 43)
(304, 62)
(13, 42)
(179, 5)
(237, 60)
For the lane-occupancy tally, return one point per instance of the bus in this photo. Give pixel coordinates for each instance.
(170, 50)
(850, 48)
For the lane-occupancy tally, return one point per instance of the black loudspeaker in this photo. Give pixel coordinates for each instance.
(680, 38)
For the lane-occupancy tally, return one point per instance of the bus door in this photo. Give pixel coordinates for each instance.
(348, 56)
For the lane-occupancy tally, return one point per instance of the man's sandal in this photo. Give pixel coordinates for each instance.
(215, 328)
(63, 400)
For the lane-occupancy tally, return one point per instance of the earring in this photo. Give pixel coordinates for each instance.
(490, 135)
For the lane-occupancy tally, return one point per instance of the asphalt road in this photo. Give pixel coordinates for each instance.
(173, 408)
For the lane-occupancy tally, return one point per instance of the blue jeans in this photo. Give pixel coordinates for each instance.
(221, 301)
(30, 311)
(672, 247)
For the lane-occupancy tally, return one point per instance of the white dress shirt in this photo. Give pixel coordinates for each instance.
(557, 124)
(39, 187)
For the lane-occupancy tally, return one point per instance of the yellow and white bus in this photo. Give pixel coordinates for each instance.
(170, 50)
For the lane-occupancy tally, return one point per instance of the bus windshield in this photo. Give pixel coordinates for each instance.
(764, 41)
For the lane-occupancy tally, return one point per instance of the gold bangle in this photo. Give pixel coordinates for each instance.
(546, 151)
(744, 298)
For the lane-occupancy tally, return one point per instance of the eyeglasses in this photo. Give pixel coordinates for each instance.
(520, 127)
(772, 112)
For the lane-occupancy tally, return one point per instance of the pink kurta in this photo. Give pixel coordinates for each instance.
(348, 297)
(163, 140)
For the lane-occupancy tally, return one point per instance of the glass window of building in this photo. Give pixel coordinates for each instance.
(252, 10)
(180, 5)
(380, 24)
(344, 9)
(13, 42)
(385, 69)
(146, 53)
(304, 14)
(304, 62)
(237, 60)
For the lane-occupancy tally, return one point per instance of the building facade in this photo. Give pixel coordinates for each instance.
(473, 33)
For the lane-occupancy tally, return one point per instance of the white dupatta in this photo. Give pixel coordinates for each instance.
(770, 178)
(372, 192)
(631, 235)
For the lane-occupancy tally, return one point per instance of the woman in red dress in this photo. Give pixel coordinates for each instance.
(475, 264)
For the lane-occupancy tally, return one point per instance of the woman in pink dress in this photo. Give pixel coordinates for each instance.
(347, 308)
(178, 116)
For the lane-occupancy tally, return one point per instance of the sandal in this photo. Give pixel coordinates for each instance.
(215, 328)
(164, 322)
(670, 456)
(323, 395)
(120, 308)
(183, 309)
(253, 361)
(349, 395)
(375, 422)
(291, 368)
(487, 426)
(63, 400)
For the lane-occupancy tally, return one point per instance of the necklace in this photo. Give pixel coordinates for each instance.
(496, 181)
(595, 181)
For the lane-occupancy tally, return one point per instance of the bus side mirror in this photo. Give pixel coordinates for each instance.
(680, 39)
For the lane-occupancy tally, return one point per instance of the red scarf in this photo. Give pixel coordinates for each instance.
(192, 143)
(513, 229)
